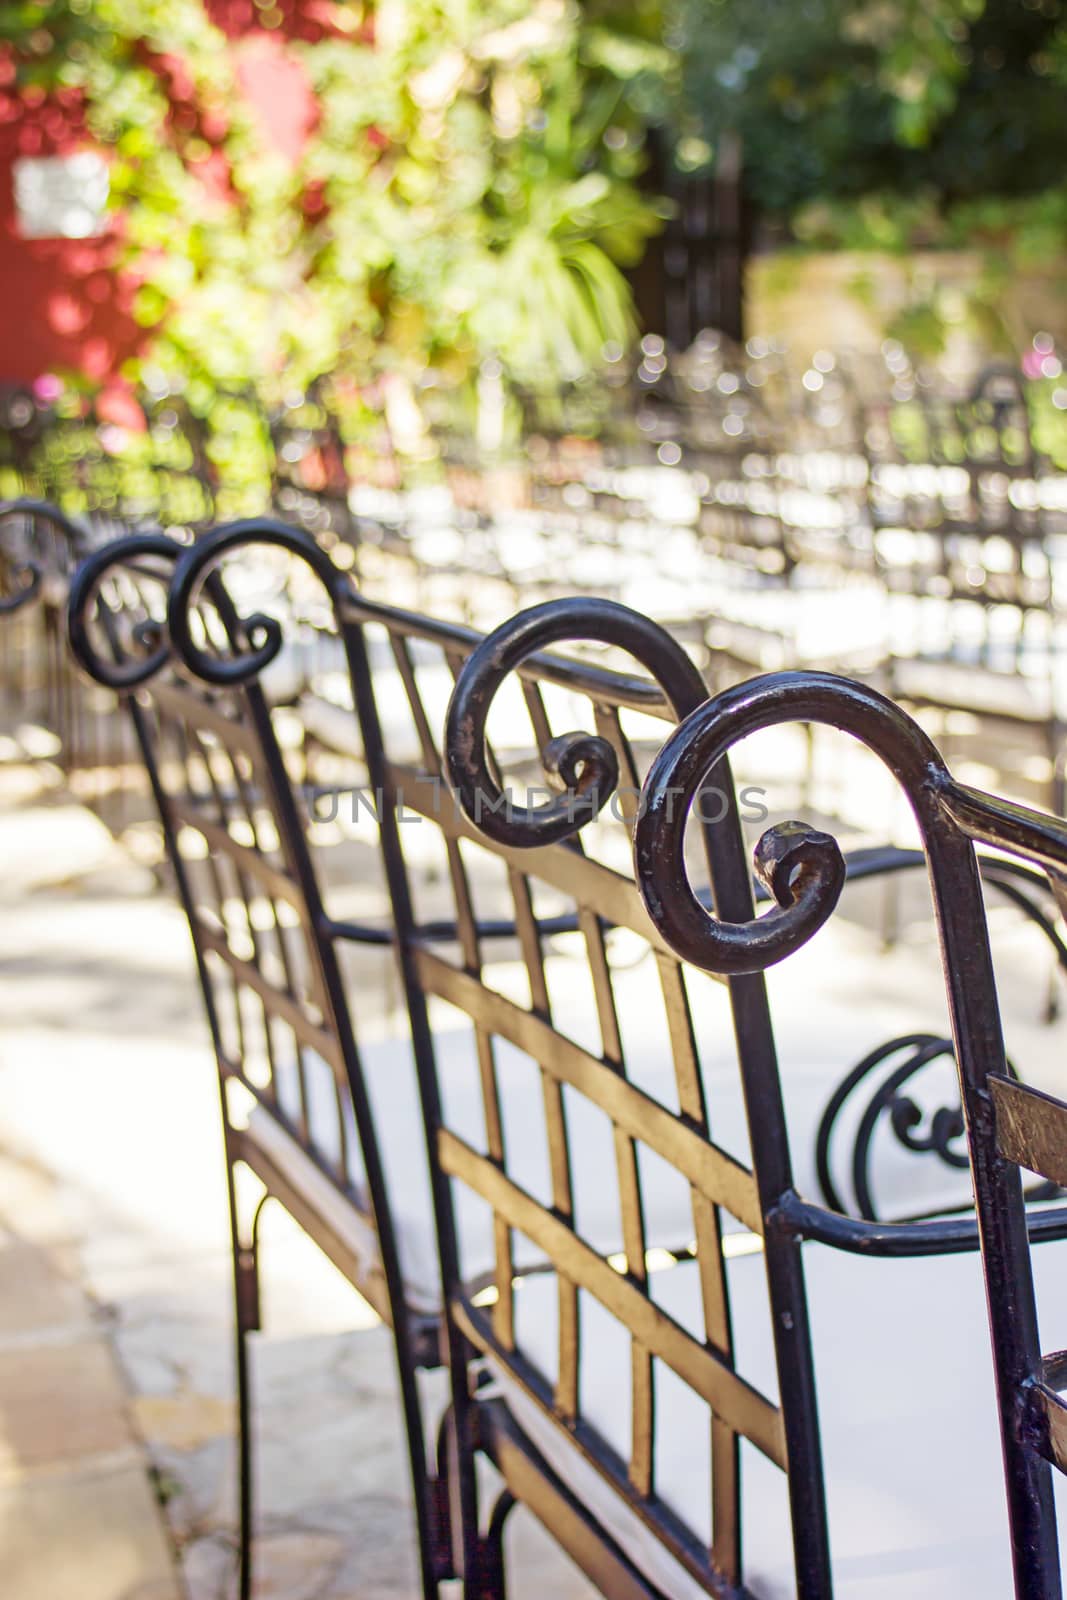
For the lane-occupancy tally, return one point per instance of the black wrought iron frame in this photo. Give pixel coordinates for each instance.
(136, 662)
(134, 653)
(802, 872)
(1009, 1125)
(41, 546)
(256, 642)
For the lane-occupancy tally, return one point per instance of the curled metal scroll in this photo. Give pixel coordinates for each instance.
(30, 574)
(28, 577)
(807, 879)
(118, 671)
(74, 533)
(939, 1133)
(583, 766)
(256, 640)
(905, 1058)
(802, 869)
(805, 870)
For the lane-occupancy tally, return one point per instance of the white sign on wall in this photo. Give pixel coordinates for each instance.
(61, 197)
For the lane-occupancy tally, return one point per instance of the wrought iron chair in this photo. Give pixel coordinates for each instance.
(457, 1065)
(1009, 1125)
(23, 421)
(325, 1125)
(623, 1424)
(571, 1122)
(181, 467)
(310, 480)
(40, 548)
(53, 713)
(972, 577)
(293, 1092)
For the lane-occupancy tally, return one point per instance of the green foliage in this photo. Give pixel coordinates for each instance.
(895, 125)
(158, 91)
(934, 102)
(477, 164)
(470, 187)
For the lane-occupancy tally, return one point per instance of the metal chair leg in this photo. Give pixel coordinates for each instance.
(493, 1575)
(440, 1497)
(247, 1321)
(432, 1519)
(457, 1495)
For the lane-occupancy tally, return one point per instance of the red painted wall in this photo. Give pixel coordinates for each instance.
(62, 306)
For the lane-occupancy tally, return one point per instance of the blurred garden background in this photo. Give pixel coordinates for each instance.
(436, 210)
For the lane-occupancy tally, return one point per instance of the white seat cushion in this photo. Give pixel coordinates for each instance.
(348, 1222)
(907, 1416)
(391, 1079)
(833, 1002)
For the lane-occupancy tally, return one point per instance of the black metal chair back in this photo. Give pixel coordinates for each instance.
(963, 541)
(310, 478)
(54, 714)
(974, 492)
(1009, 1125)
(293, 1089)
(237, 819)
(535, 881)
(183, 474)
(676, 1128)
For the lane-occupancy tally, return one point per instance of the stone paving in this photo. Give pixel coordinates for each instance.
(78, 1515)
(116, 1408)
